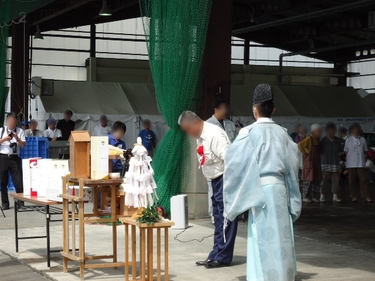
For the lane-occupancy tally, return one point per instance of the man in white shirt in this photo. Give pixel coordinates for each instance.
(212, 143)
(33, 131)
(52, 133)
(11, 139)
(220, 119)
(356, 153)
(102, 129)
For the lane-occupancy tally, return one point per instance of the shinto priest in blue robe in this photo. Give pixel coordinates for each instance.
(261, 175)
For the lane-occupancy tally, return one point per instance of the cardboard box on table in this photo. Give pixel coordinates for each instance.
(59, 169)
(42, 175)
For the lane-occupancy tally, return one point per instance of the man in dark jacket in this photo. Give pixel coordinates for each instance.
(331, 148)
(66, 125)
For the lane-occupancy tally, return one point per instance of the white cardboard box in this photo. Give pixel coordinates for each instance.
(99, 157)
(39, 175)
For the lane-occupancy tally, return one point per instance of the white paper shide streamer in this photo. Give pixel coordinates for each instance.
(139, 183)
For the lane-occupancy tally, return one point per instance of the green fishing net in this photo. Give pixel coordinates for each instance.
(175, 34)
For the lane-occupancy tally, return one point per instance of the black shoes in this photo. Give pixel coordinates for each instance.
(216, 264)
(5, 206)
(203, 263)
(211, 263)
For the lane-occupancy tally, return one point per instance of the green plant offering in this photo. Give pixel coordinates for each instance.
(150, 215)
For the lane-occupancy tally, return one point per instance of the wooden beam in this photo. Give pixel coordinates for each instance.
(63, 11)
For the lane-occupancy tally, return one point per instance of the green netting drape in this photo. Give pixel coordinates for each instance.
(3, 57)
(175, 34)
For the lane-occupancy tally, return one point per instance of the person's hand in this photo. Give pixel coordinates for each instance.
(6, 138)
(54, 139)
(15, 136)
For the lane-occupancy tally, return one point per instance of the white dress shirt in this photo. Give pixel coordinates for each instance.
(215, 142)
(100, 131)
(52, 134)
(356, 151)
(5, 146)
(36, 133)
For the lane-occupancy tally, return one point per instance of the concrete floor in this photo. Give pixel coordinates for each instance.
(333, 242)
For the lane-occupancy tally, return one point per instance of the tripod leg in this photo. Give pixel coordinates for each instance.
(1, 208)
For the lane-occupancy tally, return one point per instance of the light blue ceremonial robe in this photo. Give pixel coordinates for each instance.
(261, 176)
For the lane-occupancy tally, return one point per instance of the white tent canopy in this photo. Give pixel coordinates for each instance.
(126, 102)
(131, 102)
(307, 105)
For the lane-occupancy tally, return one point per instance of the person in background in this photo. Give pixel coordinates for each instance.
(301, 135)
(312, 170)
(148, 137)
(330, 148)
(52, 133)
(343, 135)
(66, 125)
(33, 131)
(370, 165)
(212, 144)
(11, 139)
(115, 139)
(102, 129)
(24, 125)
(356, 153)
(220, 119)
(296, 132)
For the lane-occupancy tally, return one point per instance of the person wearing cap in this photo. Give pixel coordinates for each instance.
(33, 131)
(66, 125)
(52, 133)
(148, 137)
(331, 149)
(102, 129)
(312, 175)
(356, 153)
(261, 175)
(11, 139)
(212, 144)
(24, 125)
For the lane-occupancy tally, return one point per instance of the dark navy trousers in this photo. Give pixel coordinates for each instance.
(222, 251)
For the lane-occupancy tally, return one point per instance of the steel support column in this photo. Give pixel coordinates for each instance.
(246, 52)
(341, 68)
(216, 69)
(92, 40)
(20, 68)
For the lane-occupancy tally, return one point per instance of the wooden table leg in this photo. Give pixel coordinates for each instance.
(166, 255)
(143, 254)
(134, 253)
(73, 228)
(65, 226)
(150, 253)
(114, 221)
(81, 218)
(95, 200)
(158, 253)
(126, 252)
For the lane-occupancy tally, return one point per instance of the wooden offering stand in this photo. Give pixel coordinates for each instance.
(146, 259)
